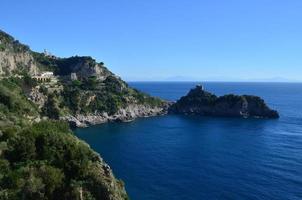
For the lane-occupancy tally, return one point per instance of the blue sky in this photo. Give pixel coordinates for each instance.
(228, 40)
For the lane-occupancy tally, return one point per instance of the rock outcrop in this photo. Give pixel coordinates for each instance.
(108, 186)
(85, 92)
(37, 97)
(127, 114)
(80, 66)
(15, 57)
(200, 102)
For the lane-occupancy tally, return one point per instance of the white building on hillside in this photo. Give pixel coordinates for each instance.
(45, 77)
(47, 74)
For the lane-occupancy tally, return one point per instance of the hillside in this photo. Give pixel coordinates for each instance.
(39, 156)
(45, 161)
(76, 89)
(15, 58)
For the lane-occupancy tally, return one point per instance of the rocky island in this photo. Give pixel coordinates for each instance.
(200, 102)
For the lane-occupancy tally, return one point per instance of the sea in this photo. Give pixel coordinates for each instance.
(177, 157)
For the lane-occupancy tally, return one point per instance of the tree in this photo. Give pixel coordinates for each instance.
(50, 108)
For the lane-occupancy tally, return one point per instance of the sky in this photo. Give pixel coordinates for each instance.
(218, 40)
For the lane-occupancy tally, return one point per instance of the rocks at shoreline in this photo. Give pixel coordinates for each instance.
(127, 114)
(196, 102)
(200, 102)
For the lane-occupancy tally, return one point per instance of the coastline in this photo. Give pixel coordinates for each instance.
(127, 114)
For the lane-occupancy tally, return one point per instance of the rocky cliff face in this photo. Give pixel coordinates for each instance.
(91, 68)
(82, 66)
(103, 176)
(15, 57)
(89, 93)
(21, 103)
(201, 102)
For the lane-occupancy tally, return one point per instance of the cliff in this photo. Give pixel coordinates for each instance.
(46, 161)
(200, 102)
(40, 158)
(15, 57)
(81, 90)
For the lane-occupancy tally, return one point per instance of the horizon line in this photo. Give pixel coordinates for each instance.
(188, 81)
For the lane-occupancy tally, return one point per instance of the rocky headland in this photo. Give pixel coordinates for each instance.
(200, 102)
(40, 158)
(127, 114)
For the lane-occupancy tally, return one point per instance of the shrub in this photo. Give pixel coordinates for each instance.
(45, 161)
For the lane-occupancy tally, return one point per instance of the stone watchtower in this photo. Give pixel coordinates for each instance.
(200, 87)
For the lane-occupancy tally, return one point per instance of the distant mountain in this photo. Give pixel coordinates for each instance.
(274, 79)
(222, 79)
(181, 78)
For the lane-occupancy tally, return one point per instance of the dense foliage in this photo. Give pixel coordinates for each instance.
(91, 95)
(198, 101)
(63, 66)
(197, 96)
(45, 63)
(14, 106)
(45, 161)
(66, 65)
(9, 43)
(50, 108)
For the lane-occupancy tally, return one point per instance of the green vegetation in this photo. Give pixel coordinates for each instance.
(66, 65)
(256, 100)
(45, 63)
(8, 42)
(96, 90)
(201, 102)
(2, 47)
(6, 38)
(45, 161)
(197, 96)
(14, 106)
(90, 95)
(63, 66)
(230, 99)
(50, 108)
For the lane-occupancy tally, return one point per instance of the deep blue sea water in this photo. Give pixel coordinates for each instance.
(191, 158)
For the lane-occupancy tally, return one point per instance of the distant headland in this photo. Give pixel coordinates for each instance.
(200, 102)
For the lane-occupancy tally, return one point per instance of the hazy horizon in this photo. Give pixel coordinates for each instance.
(167, 40)
(211, 79)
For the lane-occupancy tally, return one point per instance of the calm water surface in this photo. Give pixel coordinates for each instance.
(191, 158)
